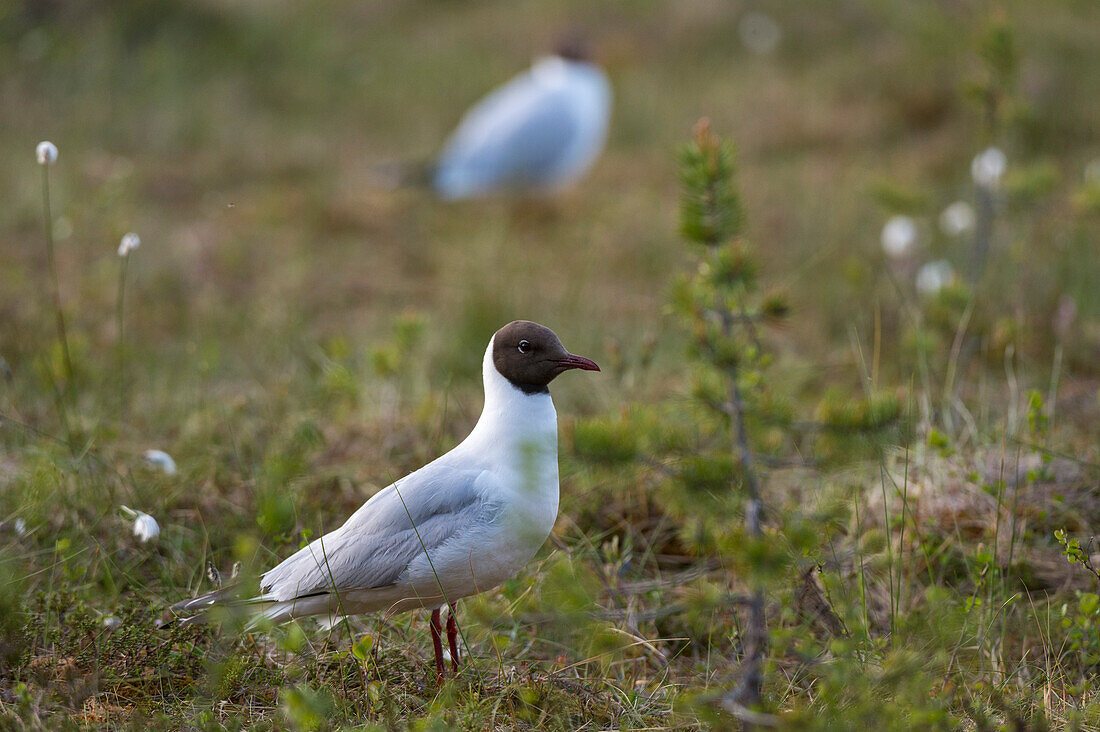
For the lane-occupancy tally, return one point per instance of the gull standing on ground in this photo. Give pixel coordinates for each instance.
(459, 526)
(541, 131)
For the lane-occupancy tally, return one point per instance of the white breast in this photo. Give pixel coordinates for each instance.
(516, 440)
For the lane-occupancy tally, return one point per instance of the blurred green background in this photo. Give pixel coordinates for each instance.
(297, 336)
(238, 139)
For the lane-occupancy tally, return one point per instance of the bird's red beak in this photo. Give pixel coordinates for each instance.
(578, 362)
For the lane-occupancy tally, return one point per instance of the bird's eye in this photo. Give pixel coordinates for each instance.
(524, 346)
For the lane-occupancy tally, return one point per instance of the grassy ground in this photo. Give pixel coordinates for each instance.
(297, 338)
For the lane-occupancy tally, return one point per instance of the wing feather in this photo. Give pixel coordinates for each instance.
(517, 136)
(375, 546)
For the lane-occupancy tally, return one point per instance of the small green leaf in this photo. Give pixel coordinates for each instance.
(362, 647)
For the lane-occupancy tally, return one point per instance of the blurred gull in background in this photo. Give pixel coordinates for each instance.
(541, 131)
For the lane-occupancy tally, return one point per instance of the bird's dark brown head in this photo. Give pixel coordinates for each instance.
(572, 46)
(530, 356)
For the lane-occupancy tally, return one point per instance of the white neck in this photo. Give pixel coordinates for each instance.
(511, 420)
(551, 70)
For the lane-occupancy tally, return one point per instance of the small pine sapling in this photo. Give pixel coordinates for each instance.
(723, 308)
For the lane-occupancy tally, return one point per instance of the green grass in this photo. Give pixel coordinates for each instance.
(276, 290)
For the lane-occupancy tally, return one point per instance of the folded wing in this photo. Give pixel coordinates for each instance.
(373, 549)
(517, 136)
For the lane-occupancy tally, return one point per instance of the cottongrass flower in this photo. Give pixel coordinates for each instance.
(162, 460)
(20, 527)
(130, 242)
(759, 32)
(62, 228)
(1092, 172)
(988, 166)
(899, 235)
(146, 527)
(46, 153)
(934, 276)
(110, 623)
(957, 219)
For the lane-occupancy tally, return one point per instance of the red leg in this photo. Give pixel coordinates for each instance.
(452, 638)
(437, 641)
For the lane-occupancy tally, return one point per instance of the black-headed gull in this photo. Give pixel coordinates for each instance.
(460, 525)
(540, 131)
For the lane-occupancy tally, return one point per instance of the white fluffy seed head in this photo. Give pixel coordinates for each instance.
(130, 242)
(162, 460)
(988, 166)
(62, 228)
(1092, 172)
(759, 32)
(899, 236)
(146, 527)
(46, 153)
(957, 219)
(934, 276)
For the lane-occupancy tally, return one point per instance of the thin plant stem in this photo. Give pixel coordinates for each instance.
(120, 314)
(867, 386)
(431, 565)
(904, 500)
(922, 352)
(55, 281)
(889, 550)
(862, 581)
(1052, 393)
(983, 231)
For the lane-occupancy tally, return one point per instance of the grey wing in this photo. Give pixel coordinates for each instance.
(417, 514)
(514, 142)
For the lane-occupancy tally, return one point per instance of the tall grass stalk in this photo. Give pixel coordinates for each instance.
(359, 662)
(905, 497)
(129, 243)
(861, 580)
(435, 575)
(120, 312)
(46, 160)
(46, 154)
(884, 475)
